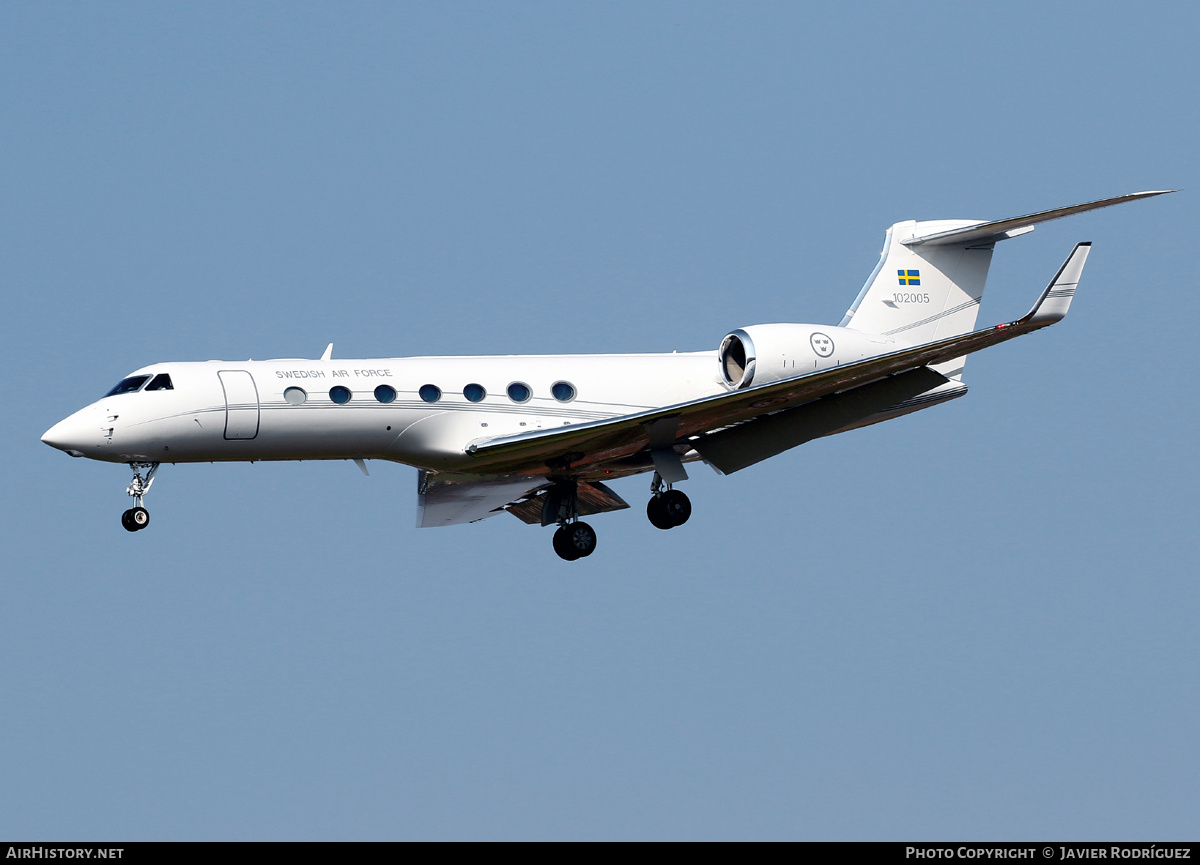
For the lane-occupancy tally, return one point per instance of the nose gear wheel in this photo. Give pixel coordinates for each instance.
(137, 517)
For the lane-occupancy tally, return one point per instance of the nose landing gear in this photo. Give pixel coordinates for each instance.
(668, 508)
(137, 517)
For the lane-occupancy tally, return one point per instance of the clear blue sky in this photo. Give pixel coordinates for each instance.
(976, 622)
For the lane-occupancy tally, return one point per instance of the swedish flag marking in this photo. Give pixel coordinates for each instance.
(909, 277)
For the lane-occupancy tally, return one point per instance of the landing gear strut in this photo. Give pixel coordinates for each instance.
(668, 508)
(137, 517)
(572, 539)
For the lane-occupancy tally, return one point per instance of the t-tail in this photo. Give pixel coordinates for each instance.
(929, 281)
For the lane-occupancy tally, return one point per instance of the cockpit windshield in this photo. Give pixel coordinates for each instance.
(129, 385)
(162, 381)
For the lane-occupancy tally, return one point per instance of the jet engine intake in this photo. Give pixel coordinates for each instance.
(763, 353)
(737, 359)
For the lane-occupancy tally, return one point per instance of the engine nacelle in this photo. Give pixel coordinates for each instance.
(764, 353)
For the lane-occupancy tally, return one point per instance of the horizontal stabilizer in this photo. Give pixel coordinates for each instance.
(990, 232)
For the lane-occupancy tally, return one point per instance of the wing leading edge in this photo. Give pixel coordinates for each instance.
(579, 447)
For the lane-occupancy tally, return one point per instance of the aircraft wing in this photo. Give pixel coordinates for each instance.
(445, 499)
(570, 449)
(449, 499)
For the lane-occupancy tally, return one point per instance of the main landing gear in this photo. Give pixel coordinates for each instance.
(137, 517)
(668, 508)
(572, 539)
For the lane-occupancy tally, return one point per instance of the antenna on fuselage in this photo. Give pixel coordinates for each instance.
(328, 352)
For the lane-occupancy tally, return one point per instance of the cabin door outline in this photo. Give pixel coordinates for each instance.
(241, 404)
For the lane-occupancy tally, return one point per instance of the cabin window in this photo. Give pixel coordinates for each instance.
(339, 394)
(474, 392)
(430, 392)
(563, 391)
(162, 381)
(129, 385)
(519, 392)
(385, 393)
(295, 395)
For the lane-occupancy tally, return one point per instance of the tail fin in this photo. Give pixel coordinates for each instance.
(922, 293)
(930, 278)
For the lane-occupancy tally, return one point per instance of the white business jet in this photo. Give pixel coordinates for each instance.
(538, 436)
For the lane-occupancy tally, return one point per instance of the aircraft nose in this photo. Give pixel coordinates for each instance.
(68, 435)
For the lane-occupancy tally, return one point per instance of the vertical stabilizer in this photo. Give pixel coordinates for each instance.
(918, 294)
(929, 280)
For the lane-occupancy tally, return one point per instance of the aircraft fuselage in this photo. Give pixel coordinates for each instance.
(299, 409)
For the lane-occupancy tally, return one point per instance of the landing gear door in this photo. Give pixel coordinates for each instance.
(241, 404)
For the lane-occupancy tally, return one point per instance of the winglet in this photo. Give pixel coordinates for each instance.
(1052, 306)
(328, 352)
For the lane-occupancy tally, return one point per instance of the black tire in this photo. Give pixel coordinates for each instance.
(126, 523)
(139, 518)
(677, 506)
(581, 538)
(562, 545)
(657, 514)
